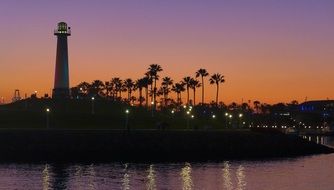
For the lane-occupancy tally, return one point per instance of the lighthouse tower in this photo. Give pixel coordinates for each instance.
(61, 84)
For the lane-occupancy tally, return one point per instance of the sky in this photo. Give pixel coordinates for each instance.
(268, 50)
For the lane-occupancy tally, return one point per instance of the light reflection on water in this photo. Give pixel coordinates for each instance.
(151, 178)
(227, 176)
(303, 173)
(186, 177)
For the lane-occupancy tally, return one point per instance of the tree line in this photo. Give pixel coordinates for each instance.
(148, 88)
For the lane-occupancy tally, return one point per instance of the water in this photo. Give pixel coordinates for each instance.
(304, 173)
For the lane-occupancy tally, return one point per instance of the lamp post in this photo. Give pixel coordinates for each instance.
(152, 109)
(240, 118)
(93, 107)
(127, 119)
(230, 122)
(47, 118)
(188, 115)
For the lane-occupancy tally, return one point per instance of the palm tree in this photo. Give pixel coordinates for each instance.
(118, 83)
(202, 73)
(146, 82)
(193, 85)
(187, 82)
(128, 83)
(83, 88)
(178, 88)
(217, 79)
(153, 71)
(96, 88)
(257, 105)
(166, 82)
(108, 86)
(140, 84)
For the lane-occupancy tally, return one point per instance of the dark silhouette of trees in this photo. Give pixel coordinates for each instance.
(83, 88)
(153, 71)
(217, 79)
(257, 106)
(118, 83)
(146, 82)
(187, 83)
(129, 84)
(193, 85)
(140, 84)
(202, 73)
(96, 88)
(178, 88)
(165, 87)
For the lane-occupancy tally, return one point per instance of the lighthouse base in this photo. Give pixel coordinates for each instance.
(61, 93)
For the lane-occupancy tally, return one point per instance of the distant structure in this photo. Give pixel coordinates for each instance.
(61, 84)
(16, 96)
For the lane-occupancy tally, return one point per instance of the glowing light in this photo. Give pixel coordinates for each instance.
(47, 110)
(230, 116)
(188, 112)
(172, 111)
(213, 116)
(192, 116)
(93, 98)
(127, 111)
(240, 115)
(186, 177)
(226, 114)
(152, 103)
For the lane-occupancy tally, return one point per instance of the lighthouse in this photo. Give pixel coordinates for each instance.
(61, 84)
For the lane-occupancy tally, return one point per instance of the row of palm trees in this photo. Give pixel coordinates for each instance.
(113, 89)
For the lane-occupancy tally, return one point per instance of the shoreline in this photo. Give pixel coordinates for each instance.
(61, 145)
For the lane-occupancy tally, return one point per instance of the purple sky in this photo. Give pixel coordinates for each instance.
(264, 48)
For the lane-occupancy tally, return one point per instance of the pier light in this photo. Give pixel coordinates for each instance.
(184, 106)
(93, 106)
(192, 116)
(188, 112)
(213, 116)
(47, 118)
(172, 111)
(127, 111)
(243, 123)
(226, 114)
(230, 116)
(152, 103)
(240, 115)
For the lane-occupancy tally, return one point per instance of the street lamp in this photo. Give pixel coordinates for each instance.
(188, 116)
(127, 112)
(93, 107)
(47, 118)
(152, 108)
(213, 116)
(240, 118)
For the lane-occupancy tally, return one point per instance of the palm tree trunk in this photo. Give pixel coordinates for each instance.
(202, 90)
(180, 98)
(140, 96)
(146, 93)
(187, 95)
(154, 92)
(194, 96)
(217, 94)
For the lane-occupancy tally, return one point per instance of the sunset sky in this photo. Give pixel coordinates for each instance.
(268, 50)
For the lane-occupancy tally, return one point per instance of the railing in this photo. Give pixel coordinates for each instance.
(68, 31)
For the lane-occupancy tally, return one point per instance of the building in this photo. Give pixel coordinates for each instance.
(61, 83)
